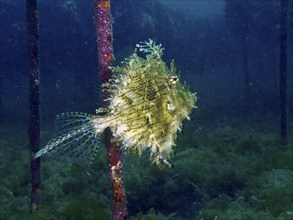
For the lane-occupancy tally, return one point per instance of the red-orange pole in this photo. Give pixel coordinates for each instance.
(103, 20)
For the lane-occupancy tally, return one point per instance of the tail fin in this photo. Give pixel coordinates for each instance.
(75, 138)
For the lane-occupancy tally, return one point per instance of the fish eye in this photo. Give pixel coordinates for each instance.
(173, 80)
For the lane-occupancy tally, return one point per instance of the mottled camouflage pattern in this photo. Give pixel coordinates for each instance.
(147, 105)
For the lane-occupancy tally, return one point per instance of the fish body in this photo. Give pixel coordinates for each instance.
(147, 104)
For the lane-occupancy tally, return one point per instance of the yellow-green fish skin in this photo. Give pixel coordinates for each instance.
(147, 105)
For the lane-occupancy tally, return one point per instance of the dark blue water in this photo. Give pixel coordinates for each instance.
(229, 160)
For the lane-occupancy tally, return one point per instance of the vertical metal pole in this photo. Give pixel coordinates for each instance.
(34, 100)
(283, 70)
(103, 20)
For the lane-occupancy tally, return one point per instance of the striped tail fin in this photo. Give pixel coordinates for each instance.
(75, 138)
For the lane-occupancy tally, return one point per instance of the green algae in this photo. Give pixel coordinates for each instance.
(225, 174)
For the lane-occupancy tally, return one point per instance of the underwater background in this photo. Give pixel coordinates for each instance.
(229, 161)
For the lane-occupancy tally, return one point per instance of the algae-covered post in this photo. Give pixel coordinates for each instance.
(283, 69)
(103, 20)
(34, 100)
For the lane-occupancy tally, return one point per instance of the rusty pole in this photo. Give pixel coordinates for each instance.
(103, 20)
